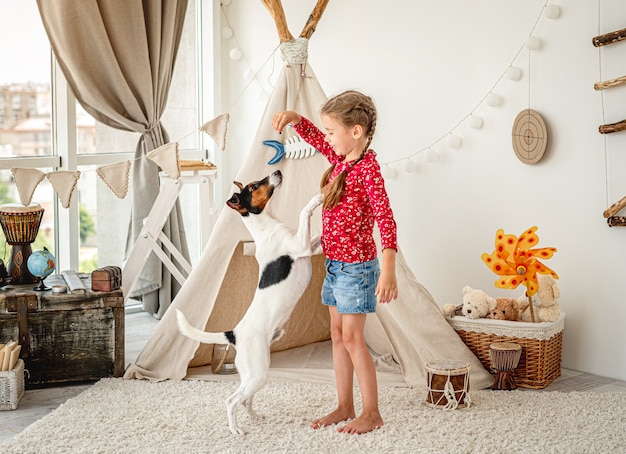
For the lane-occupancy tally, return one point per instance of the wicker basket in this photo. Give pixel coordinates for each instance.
(540, 363)
(12, 386)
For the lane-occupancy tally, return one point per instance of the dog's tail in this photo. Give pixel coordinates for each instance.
(197, 334)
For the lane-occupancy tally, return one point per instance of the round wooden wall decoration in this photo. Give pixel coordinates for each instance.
(530, 136)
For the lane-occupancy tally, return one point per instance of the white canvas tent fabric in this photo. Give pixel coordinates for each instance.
(412, 327)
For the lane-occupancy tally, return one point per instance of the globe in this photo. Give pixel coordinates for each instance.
(41, 264)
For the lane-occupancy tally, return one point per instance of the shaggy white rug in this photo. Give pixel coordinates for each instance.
(118, 416)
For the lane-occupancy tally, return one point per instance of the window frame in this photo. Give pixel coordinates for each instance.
(64, 153)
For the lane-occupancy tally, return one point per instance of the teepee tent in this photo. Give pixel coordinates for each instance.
(220, 287)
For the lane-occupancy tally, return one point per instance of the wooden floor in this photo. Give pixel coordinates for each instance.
(37, 403)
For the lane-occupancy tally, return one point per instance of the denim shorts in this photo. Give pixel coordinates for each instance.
(351, 287)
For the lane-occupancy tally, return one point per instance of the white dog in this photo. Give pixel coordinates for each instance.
(284, 258)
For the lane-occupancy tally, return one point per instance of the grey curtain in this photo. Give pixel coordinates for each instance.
(118, 57)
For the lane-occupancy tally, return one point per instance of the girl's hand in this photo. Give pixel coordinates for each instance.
(387, 288)
(282, 119)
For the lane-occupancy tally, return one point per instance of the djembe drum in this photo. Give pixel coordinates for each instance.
(20, 225)
(504, 359)
(448, 384)
(223, 361)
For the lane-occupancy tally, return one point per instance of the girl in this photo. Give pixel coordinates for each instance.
(354, 197)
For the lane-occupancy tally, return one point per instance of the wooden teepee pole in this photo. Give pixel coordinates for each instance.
(275, 8)
(314, 19)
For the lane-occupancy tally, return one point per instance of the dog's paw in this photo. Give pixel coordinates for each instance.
(236, 431)
(315, 202)
(253, 414)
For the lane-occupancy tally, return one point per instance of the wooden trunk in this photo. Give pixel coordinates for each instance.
(65, 338)
(106, 279)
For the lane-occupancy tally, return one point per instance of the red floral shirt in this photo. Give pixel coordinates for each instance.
(347, 229)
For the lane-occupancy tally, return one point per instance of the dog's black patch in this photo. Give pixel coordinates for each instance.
(276, 271)
(230, 335)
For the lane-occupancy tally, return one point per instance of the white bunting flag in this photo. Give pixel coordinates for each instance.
(166, 157)
(116, 177)
(217, 129)
(26, 181)
(64, 182)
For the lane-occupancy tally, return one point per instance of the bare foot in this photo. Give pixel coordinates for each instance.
(334, 417)
(363, 424)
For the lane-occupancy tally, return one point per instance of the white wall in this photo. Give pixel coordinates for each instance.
(428, 65)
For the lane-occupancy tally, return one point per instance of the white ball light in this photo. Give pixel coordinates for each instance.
(533, 43)
(409, 166)
(475, 122)
(248, 75)
(493, 100)
(227, 33)
(235, 53)
(454, 141)
(514, 73)
(552, 11)
(431, 155)
(389, 173)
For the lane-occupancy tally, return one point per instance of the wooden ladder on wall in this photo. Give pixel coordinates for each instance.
(599, 41)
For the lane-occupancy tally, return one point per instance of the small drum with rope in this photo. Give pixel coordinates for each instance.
(448, 384)
(223, 359)
(504, 359)
(20, 225)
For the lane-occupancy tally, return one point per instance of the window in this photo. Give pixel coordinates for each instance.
(42, 127)
(181, 117)
(25, 121)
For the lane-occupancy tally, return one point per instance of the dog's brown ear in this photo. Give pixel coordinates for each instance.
(238, 184)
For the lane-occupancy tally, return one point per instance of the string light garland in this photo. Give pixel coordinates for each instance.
(474, 121)
(217, 127)
(236, 53)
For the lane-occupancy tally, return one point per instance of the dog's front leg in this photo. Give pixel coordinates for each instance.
(304, 228)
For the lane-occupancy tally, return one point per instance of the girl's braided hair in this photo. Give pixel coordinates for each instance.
(350, 108)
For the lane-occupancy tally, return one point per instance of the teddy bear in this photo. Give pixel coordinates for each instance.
(476, 303)
(547, 308)
(506, 309)
(450, 310)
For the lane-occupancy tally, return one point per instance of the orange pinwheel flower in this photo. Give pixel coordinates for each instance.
(516, 263)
